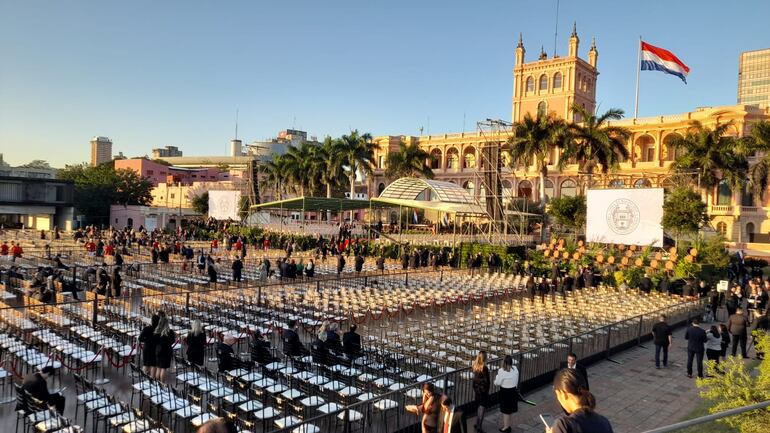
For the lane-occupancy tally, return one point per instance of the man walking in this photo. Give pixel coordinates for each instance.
(696, 340)
(738, 326)
(661, 336)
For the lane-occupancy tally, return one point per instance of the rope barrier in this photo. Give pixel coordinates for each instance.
(86, 364)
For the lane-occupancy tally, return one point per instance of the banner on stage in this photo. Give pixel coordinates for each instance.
(625, 216)
(224, 204)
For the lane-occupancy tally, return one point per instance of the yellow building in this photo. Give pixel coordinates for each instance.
(553, 85)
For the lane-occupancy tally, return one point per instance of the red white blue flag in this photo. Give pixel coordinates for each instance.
(659, 59)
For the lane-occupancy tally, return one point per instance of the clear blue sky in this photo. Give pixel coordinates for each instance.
(149, 73)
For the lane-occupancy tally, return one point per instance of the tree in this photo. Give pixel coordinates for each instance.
(569, 211)
(684, 212)
(200, 203)
(327, 164)
(298, 168)
(532, 140)
(37, 163)
(275, 175)
(409, 161)
(96, 188)
(713, 155)
(731, 385)
(594, 142)
(759, 141)
(357, 153)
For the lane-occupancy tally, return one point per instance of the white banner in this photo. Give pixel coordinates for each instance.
(150, 223)
(224, 204)
(625, 216)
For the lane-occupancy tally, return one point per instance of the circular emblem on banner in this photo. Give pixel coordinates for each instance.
(623, 216)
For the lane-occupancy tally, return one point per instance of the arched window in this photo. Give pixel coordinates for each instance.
(747, 198)
(646, 145)
(530, 84)
(380, 188)
(542, 108)
(435, 159)
(568, 188)
(617, 183)
(543, 82)
(750, 231)
(722, 228)
(548, 189)
(452, 158)
(672, 152)
(525, 189)
(469, 158)
(130, 222)
(642, 183)
(557, 80)
(724, 194)
(470, 187)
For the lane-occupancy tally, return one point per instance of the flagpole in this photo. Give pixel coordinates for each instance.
(638, 69)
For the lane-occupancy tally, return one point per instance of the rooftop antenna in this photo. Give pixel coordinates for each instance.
(556, 28)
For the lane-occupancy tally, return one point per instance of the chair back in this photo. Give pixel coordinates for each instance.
(21, 399)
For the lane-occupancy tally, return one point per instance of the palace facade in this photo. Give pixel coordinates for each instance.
(553, 85)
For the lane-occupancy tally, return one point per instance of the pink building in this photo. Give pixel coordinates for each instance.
(159, 173)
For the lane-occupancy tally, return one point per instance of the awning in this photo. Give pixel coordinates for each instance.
(311, 204)
(441, 206)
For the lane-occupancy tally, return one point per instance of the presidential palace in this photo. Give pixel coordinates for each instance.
(553, 85)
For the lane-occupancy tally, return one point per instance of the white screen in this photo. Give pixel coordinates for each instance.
(224, 204)
(625, 216)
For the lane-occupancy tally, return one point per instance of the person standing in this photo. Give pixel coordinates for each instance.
(696, 340)
(237, 267)
(579, 404)
(147, 338)
(713, 344)
(196, 344)
(508, 380)
(351, 343)
(725, 340)
(164, 351)
(573, 364)
(429, 408)
(738, 326)
(359, 263)
(340, 264)
(661, 336)
(481, 384)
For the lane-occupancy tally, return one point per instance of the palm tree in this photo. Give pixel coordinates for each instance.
(409, 161)
(300, 168)
(595, 142)
(759, 141)
(357, 153)
(532, 141)
(275, 174)
(327, 167)
(713, 155)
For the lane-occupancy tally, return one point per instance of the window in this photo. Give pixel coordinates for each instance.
(557, 80)
(616, 183)
(530, 84)
(150, 172)
(642, 183)
(543, 82)
(568, 188)
(724, 194)
(750, 231)
(469, 158)
(172, 196)
(548, 189)
(435, 159)
(525, 189)
(381, 162)
(542, 109)
(452, 158)
(380, 188)
(722, 228)
(470, 187)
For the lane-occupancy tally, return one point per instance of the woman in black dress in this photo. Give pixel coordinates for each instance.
(481, 384)
(196, 344)
(165, 339)
(147, 338)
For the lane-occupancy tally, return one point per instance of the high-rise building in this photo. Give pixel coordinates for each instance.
(754, 78)
(101, 150)
(553, 85)
(166, 152)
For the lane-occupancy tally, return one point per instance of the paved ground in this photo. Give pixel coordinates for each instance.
(633, 395)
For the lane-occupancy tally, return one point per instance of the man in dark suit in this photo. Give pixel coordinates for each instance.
(351, 342)
(572, 364)
(35, 385)
(738, 325)
(291, 344)
(359, 263)
(696, 340)
(661, 335)
(340, 264)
